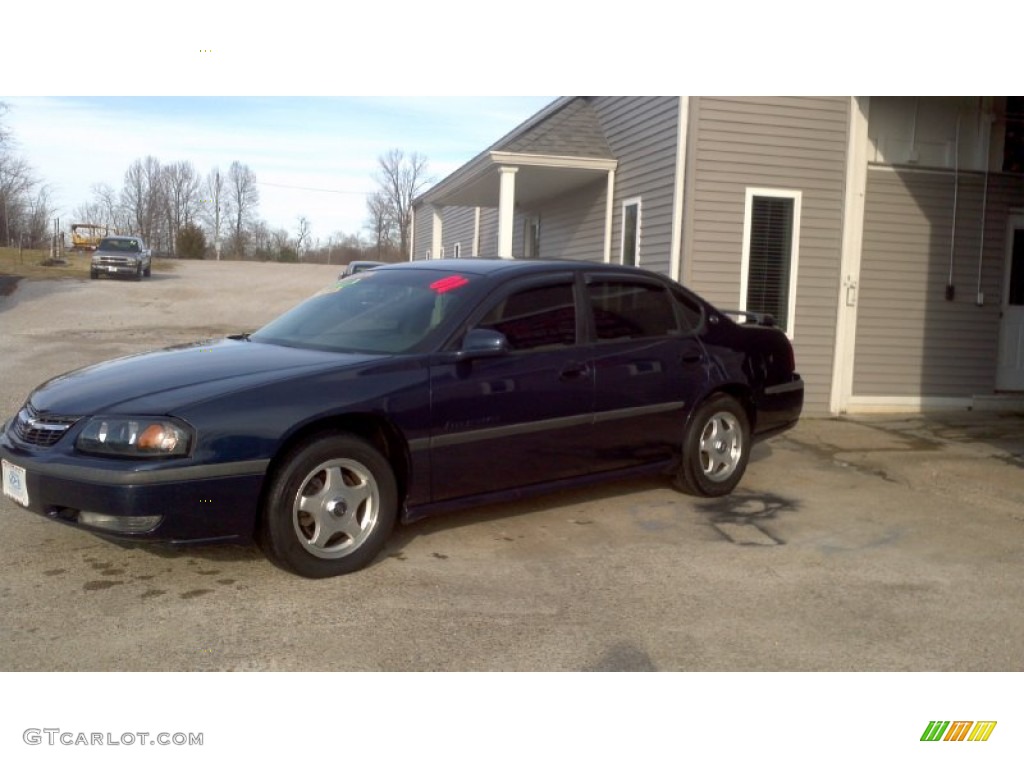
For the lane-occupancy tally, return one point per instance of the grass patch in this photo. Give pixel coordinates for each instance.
(29, 263)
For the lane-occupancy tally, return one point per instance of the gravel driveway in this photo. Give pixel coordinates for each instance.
(886, 544)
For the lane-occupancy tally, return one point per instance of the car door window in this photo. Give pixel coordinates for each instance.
(541, 317)
(624, 309)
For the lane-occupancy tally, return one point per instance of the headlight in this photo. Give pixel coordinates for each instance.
(139, 437)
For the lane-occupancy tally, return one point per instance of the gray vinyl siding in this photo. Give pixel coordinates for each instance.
(642, 133)
(422, 228)
(572, 226)
(458, 227)
(489, 233)
(911, 341)
(797, 143)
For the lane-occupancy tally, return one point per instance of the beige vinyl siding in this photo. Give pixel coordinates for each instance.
(642, 134)
(782, 143)
(911, 341)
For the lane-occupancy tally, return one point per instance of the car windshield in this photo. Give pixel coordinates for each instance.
(382, 312)
(125, 246)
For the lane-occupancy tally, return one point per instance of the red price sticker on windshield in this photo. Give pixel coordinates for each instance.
(446, 284)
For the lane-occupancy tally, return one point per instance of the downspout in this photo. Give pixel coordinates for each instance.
(950, 289)
(979, 296)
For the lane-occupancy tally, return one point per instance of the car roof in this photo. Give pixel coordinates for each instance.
(493, 266)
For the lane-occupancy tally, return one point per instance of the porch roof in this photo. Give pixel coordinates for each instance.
(560, 148)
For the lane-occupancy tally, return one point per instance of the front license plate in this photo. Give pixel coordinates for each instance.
(15, 486)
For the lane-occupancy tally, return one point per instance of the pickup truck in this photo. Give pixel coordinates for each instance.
(121, 255)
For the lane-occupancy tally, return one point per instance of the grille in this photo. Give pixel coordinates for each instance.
(33, 429)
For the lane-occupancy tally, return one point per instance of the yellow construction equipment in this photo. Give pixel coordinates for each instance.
(85, 237)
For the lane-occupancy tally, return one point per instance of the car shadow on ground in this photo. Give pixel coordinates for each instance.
(740, 507)
(599, 493)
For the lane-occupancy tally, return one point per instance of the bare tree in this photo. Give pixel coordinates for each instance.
(114, 217)
(181, 192)
(143, 198)
(280, 239)
(261, 240)
(381, 222)
(24, 201)
(243, 200)
(302, 235)
(16, 184)
(214, 206)
(400, 178)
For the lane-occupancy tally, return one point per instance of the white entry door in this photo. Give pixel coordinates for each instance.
(1010, 374)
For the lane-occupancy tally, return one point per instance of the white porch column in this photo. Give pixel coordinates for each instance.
(476, 232)
(435, 230)
(853, 243)
(609, 217)
(506, 211)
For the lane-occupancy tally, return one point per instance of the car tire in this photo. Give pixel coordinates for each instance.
(149, 271)
(138, 271)
(93, 274)
(716, 448)
(330, 507)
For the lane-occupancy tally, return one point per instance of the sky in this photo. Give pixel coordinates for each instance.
(312, 156)
(309, 96)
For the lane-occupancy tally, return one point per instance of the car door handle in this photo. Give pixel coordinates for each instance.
(574, 371)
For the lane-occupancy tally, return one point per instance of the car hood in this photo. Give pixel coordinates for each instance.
(162, 381)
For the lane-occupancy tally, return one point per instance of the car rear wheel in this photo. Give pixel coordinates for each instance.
(330, 508)
(716, 448)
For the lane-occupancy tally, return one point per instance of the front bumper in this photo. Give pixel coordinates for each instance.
(195, 503)
(115, 269)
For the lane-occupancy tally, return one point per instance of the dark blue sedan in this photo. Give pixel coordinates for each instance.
(399, 393)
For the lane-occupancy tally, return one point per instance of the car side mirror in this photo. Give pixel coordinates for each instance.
(482, 342)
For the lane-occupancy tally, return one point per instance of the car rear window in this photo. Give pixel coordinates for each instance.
(631, 310)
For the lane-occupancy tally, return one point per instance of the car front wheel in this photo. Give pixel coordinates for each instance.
(716, 448)
(330, 508)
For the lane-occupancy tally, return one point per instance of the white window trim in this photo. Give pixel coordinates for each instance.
(622, 224)
(796, 196)
(428, 254)
(441, 253)
(457, 251)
